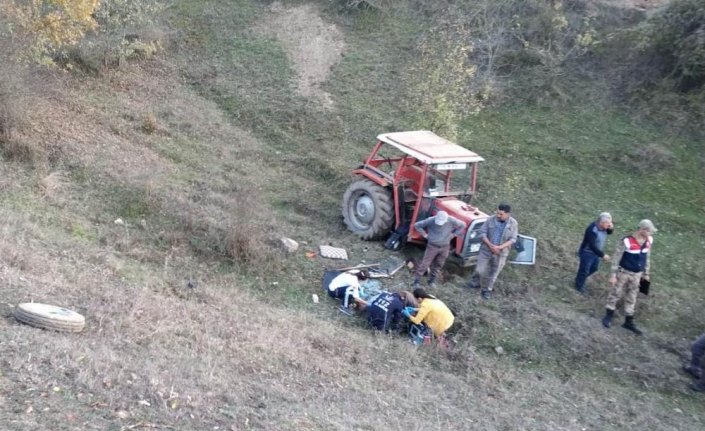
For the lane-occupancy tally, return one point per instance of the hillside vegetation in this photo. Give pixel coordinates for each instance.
(153, 156)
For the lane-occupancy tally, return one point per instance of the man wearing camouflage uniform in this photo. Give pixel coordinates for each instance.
(631, 263)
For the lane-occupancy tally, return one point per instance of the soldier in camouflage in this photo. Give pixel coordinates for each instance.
(631, 263)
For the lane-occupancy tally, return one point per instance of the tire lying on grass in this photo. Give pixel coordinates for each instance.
(47, 316)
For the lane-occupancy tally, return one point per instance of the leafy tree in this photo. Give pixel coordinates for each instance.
(443, 89)
(120, 33)
(659, 65)
(528, 43)
(51, 24)
(675, 40)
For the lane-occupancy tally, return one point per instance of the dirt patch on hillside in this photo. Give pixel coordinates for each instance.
(313, 45)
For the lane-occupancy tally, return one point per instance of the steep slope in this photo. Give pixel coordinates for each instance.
(213, 139)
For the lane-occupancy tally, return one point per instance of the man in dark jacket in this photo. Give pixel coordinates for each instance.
(384, 313)
(590, 250)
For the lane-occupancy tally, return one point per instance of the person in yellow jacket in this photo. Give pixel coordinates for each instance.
(432, 312)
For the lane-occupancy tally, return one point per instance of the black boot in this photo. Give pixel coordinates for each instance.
(629, 324)
(607, 320)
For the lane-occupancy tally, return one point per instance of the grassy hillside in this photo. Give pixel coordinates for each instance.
(208, 152)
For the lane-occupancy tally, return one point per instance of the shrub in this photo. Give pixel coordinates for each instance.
(479, 50)
(8, 114)
(12, 90)
(675, 40)
(242, 246)
(120, 35)
(14, 102)
(530, 42)
(442, 87)
(246, 241)
(52, 184)
(247, 238)
(51, 24)
(662, 64)
(150, 123)
(24, 150)
(369, 4)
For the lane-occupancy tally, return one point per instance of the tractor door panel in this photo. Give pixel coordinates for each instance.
(524, 251)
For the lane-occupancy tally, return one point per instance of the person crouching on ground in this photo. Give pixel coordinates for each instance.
(346, 286)
(433, 313)
(630, 265)
(438, 231)
(384, 312)
(590, 250)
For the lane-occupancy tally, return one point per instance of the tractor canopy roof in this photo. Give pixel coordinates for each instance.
(429, 148)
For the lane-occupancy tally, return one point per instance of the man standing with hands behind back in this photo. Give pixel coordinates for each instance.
(498, 235)
(631, 264)
(590, 250)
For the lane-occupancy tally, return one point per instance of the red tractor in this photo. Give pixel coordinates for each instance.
(410, 176)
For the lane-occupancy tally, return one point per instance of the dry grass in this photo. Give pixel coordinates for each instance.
(241, 352)
(53, 184)
(650, 158)
(150, 123)
(252, 366)
(14, 102)
(8, 115)
(23, 149)
(11, 92)
(250, 233)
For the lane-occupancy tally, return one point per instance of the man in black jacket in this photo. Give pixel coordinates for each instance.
(384, 313)
(590, 250)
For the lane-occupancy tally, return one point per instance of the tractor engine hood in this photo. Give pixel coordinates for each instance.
(460, 210)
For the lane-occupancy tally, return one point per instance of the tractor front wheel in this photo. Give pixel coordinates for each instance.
(368, 210)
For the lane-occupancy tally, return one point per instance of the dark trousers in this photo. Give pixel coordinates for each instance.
(698, 358)
(698, 350)
(589, 263)
(434, 257)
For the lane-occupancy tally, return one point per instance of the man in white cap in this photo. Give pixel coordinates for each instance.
(590, 251)
(438, 231)
(631, 263)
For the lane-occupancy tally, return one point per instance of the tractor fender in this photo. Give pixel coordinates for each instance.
(375, 175)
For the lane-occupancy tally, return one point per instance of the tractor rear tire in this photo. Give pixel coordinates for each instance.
(49, 317)
(368, 209)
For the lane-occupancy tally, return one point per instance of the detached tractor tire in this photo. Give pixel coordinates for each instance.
(49, 317)
(368, 209)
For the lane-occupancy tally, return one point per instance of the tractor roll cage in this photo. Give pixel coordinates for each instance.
(423, 151)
